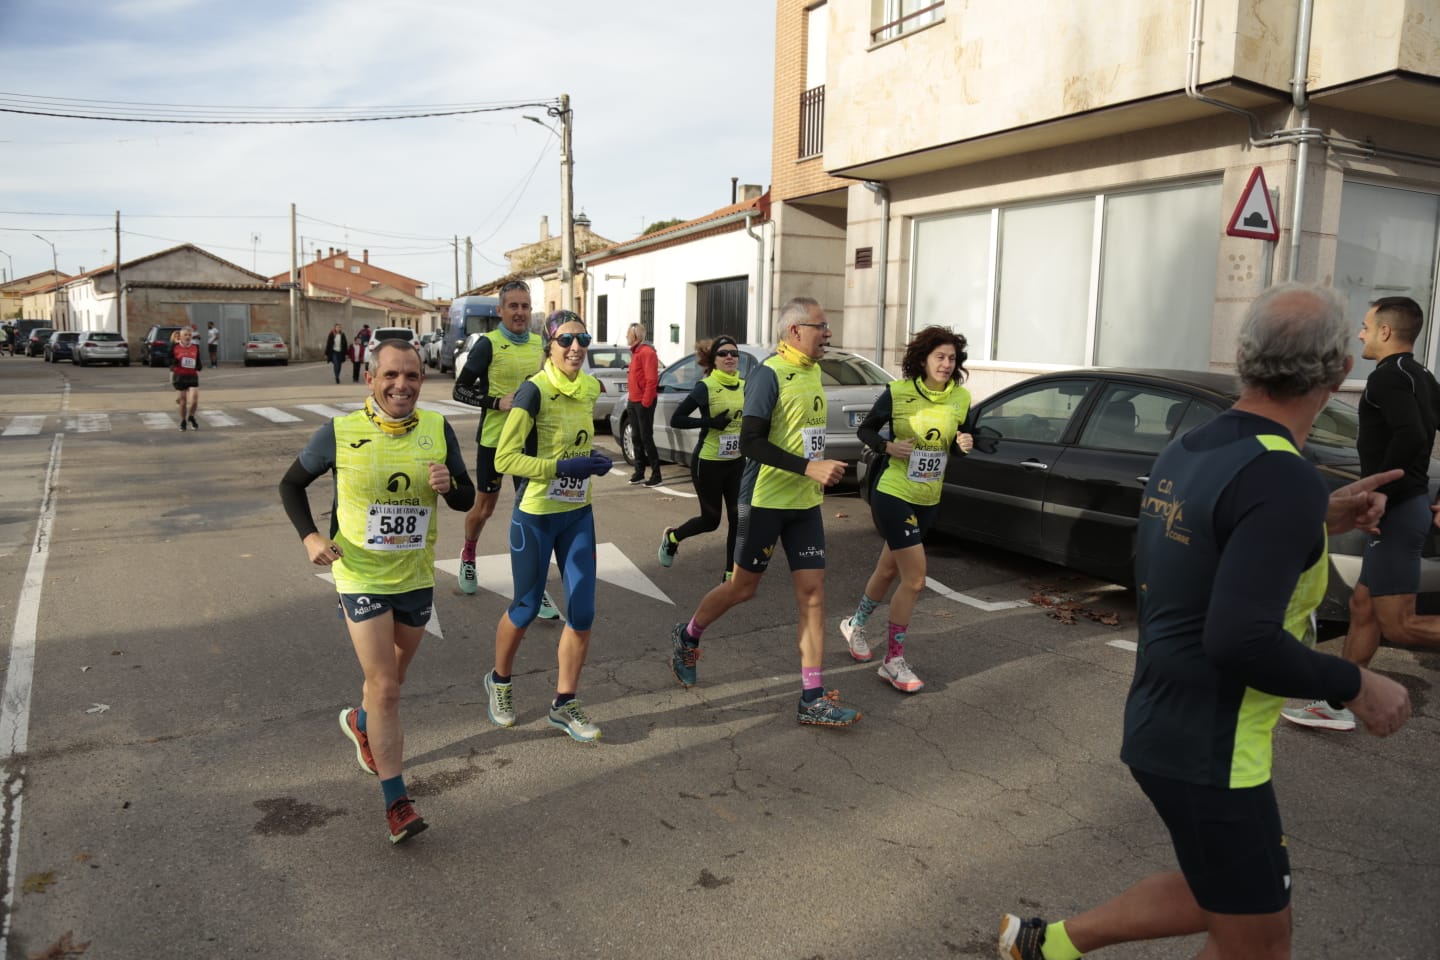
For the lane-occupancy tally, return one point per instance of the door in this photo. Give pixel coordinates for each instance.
(720, 308)
(998, 489)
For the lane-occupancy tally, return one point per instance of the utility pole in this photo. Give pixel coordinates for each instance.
(55, 267)
(294, 289)
(120, 323)
(11, 275)
(567, 205)
(456, 244)
(469, 252)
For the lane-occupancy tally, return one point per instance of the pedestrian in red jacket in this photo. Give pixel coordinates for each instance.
(641, 383)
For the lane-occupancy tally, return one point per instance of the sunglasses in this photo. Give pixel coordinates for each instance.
(727, 353)
(565, 339)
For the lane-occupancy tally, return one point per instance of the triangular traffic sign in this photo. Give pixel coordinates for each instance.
(1254, 216)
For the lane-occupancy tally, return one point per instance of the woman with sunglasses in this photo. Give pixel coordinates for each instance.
(716, 464)
(924, 411)
(546, 441)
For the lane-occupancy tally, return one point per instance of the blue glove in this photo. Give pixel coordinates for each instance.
(600, 464)
(575, 468)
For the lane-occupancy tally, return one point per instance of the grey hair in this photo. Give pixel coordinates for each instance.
(633, 329)
(510, 287)
(392, 343)
(796, 310)
(1294, 339)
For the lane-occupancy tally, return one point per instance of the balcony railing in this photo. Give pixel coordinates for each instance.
(812, 122)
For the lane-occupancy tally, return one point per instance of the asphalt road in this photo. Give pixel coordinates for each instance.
(177, 784)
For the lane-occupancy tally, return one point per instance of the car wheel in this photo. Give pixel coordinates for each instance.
(627, 441)
(248, 363)
(284, 363)
(125, 362)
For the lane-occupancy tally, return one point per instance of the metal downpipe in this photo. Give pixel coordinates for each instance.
(881, 290)
(1298, 83)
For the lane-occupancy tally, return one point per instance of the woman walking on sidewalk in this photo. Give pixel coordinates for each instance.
(716, 464)
(924, 412)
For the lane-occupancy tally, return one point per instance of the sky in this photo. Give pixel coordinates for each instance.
(670, 100)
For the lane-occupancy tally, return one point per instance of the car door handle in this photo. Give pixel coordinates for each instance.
(1144, 479)
(1034, 465)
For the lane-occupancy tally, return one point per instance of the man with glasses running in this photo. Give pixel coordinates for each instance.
(782, 436)
(497, 364)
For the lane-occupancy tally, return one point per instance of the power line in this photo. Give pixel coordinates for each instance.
(121, 111)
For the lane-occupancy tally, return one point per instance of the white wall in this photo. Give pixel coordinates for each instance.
(89, 311)
(672, 272)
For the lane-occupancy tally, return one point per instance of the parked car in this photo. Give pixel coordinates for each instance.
(1061, 460)
(60, 345)
(428, 354)
(35, 343)
(611, 366)
(155, 347)
(389, 333)
(266, 348)
(851, 384)
(462, 353)
(100, 346)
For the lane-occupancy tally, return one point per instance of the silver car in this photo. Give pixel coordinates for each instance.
(100, 346)
(851, 384)
(611, 366)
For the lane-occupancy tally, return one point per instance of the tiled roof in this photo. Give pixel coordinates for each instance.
(667, 236)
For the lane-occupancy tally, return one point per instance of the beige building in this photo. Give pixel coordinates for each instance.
(1056, 181)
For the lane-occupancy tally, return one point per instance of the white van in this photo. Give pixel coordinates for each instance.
(390, 333)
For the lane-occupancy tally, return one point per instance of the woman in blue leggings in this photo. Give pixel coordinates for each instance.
(552, 416)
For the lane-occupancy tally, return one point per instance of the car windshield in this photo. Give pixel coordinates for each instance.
(394, 334)
(1336, 428)
(103, 335)
(852, 371)
(610, 358)
(265, 337)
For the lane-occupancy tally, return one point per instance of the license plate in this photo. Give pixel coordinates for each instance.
(857, 417)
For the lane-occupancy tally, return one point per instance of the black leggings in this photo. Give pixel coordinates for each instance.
(715, 481)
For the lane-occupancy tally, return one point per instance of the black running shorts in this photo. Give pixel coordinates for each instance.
(410, 609)
(801, 531)
(901, 522)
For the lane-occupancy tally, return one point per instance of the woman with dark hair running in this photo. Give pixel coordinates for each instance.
(547, 442)
(924, 412)
(716, 464)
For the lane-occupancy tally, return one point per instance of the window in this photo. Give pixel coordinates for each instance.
(1132, 418)
(681, 376)
(1387, 248)
(952, 266)
(602, 317)
(892, 18)
(647, 312)
(1041, 414)
(1045, 282)
(812, 100)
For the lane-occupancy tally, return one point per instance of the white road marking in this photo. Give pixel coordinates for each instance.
(24, 427)
(322, 409)
(448, 408)
(989, 606)
(673, 492)
(1130, 645)
(611, 566)
(275, 415)
(158, 421)
(218, 418)
(431, 626)
(19, 676)
(87, 423)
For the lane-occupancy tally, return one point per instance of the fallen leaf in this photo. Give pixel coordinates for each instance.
(97, 708)
(39, 882)
(82, 857)
(62, 948)
(117, 653)
(841, 516)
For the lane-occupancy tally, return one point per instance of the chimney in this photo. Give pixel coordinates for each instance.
(318, 255)
(733, 181)
(750, 191)
(544, 228)
(366, 255)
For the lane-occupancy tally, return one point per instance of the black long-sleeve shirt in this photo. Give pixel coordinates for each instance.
(1399, 413)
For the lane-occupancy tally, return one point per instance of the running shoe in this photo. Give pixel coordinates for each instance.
(826, 712)
(403, 821)
(573, 721)
(348, 718)
(683, 656)
(654, 481)
(500, 707)
(193, 424)
(637, 477)
(468, 581)
(182, 424)
(1021, 939)
(547, 608)
(855, 639)
(1319, 714)
(898, 674)
(668, 547)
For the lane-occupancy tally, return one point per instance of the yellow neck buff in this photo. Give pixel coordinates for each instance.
(793, 354)
(560, 380)
(388, 424)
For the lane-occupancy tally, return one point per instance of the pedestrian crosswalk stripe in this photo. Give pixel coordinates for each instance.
(323, 409)
(24, 427)
(158, 421)
(448, 408)
(87, 423)
(275, 415)
(218, 418)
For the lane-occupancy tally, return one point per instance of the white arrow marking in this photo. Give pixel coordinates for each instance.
(989, 606)
(431, 626)
(611, 566)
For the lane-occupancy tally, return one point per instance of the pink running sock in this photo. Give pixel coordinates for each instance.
(810, 679)
(694, 629)
(467, 552)
(896, 644)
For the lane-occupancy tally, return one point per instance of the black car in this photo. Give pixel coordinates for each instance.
(1061, 459)
(155, 347)
(61, 346)
(34, 345)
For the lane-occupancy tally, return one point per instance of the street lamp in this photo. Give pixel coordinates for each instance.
(567, 195)
(55, 264)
